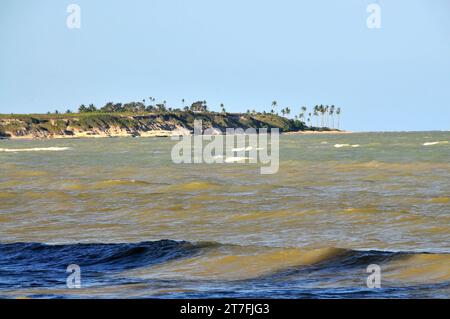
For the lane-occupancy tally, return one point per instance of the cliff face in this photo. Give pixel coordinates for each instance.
(110, 124)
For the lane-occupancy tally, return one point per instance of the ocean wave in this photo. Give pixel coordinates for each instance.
(36, 264)
(248, 148)
(27, 264)
(33, 269)
(434, 143)
(232, 159)
(346, 145)
(235, 159)
(35, 149)
(119, 182)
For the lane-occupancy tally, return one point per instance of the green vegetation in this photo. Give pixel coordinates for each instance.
(135, 117)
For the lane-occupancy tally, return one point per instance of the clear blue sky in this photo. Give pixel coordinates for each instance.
(242, 53)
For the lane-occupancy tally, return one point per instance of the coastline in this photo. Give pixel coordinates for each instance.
(331, 132)
(163, 124)
(87, 135)
(148, 134)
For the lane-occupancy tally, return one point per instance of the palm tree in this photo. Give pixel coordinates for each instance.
(302, 112)
(332, 115)
(324, 115)
(288, 110)
(338, 113)
(316, 114)
(301, 116)
(274, 105)
(321, 111)
(182, 102)
(303, 109)
(283, 112)
(327, 118)
(222, 107)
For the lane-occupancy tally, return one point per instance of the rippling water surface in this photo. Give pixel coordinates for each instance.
(140, 226)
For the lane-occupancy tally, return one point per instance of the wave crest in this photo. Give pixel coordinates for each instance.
(34, 149)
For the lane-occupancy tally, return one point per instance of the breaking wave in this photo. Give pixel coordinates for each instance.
(434, 143)
(34, 149)
(35, 265)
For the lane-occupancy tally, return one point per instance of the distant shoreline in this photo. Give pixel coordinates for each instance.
(150, 134)
(331, 132)
(162, 124)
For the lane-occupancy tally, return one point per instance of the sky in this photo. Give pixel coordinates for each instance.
(244, 54)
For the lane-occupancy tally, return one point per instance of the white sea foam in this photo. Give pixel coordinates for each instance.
(236, 159)
(35, 149)
(248, 148)
(435, 143)
(346, 145)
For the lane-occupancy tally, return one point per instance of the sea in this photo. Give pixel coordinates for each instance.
(360, 215)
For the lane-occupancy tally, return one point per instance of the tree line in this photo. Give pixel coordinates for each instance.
(324, 115)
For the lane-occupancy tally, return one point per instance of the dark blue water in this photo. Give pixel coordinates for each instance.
(39, 270)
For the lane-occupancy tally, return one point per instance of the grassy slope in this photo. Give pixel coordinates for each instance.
(58, 123)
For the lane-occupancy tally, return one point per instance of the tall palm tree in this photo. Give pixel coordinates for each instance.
(222, 106)
(182, 103)
(322, 113)
(316, 114)
(301, 116)
(338, 113)
(332, 107)
(288, 110)
(302, 112)
(274, 105)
